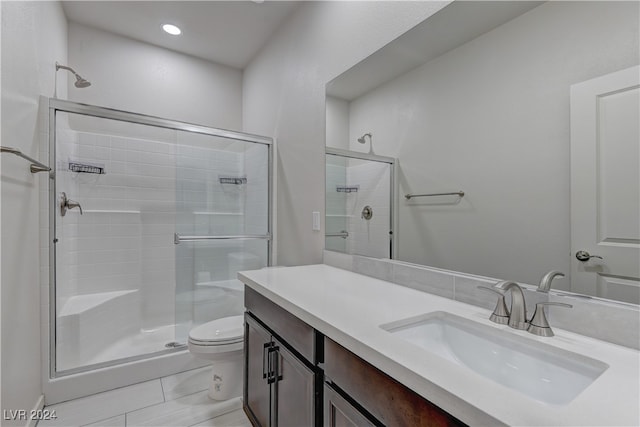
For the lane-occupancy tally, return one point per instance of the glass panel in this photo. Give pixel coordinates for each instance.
(335, 203)
(114, 253)
(222, 189)
(354, 188)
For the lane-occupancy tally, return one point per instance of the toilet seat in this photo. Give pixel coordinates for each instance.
(219, 332)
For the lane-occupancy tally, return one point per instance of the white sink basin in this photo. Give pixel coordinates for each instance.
(538, 370)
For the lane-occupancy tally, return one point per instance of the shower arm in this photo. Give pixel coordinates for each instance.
(64, 67)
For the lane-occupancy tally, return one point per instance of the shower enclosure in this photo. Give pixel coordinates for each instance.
(149, 222)
(359, 203)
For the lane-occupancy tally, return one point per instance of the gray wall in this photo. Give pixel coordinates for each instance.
(34, 37)
(491, 117)
(134, 76)
(284, 97)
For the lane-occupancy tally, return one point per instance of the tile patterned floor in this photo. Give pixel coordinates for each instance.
(176, 400)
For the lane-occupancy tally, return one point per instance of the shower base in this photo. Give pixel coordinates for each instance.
(144, 342)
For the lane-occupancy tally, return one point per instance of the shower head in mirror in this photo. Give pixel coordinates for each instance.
(363, 139)
(80, 82)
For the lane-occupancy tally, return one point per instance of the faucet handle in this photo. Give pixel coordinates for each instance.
(539, 324)
(500, 313)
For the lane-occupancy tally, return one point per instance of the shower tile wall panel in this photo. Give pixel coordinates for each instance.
(254, 255)
(66, 232)
(369, 238)
(124, 240)
(336, 206)
(207, 207)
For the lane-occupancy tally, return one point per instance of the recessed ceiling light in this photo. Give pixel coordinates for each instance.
(171, 29)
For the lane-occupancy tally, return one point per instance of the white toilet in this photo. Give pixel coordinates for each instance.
(221, 341)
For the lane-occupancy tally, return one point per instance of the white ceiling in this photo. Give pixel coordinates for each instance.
(225, 32)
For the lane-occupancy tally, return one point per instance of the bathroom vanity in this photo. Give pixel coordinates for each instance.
(293, 374)
(326, 346)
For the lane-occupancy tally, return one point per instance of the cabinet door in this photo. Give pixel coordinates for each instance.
(340, 413)
(257, 398)
(293, 390)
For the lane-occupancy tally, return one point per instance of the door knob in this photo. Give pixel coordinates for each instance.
(585, 256)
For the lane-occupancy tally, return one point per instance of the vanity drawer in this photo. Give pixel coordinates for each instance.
(390, 402)
(292, 330)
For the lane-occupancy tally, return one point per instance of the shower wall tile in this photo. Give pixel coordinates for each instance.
(151, 189)
(369, 237)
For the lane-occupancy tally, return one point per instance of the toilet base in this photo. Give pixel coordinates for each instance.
(225, 378)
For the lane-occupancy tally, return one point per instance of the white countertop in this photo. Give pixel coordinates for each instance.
(349, 307)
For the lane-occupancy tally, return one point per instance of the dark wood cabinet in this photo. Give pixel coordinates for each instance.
(338, 412)
(294, 376)
(279, 383)
(387, 401)
(257, 389)
(294, 390)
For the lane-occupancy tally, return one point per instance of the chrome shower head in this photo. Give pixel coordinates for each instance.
(362, 139)
(80, 82)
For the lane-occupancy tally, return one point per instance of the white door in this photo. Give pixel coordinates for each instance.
(605, 186)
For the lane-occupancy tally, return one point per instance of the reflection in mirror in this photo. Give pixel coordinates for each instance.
(502, 113)
(358, 203)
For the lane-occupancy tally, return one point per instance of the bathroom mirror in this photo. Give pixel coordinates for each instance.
(479, 99)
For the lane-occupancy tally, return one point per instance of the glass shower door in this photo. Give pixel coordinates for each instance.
(112, 210)
(222, 225)
(358, 201)
(149, 222)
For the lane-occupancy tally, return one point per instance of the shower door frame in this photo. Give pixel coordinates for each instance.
(63, 106)
(392, 193)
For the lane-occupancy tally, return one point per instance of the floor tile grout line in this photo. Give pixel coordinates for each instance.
(103, 419)
(164, 396)
(185, 395)
(93, 395)
(157, 404)
(217, 416)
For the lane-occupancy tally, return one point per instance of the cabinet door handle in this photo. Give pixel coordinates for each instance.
(277, 375)
(271, 376)
(266, 350)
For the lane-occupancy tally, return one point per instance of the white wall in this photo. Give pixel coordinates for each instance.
(142, 78)
(492, 118)
(337, 123)
(34, 37)
(284, 97)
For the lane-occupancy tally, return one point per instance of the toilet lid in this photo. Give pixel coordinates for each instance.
(219, 330)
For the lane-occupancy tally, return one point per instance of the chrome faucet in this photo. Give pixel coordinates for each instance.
(545, 282)
(518, 312)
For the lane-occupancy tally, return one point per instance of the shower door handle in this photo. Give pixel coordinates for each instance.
(66, 204)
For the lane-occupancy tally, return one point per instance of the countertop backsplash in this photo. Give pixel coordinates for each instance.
(611, 321)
